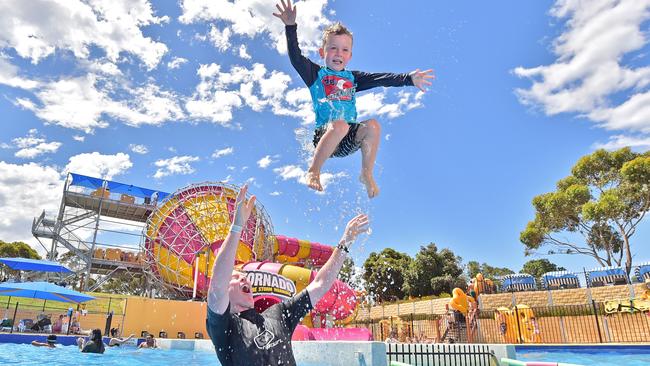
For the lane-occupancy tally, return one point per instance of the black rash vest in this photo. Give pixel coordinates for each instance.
(253, 339)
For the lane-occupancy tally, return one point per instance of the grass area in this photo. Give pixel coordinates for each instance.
(102, 304)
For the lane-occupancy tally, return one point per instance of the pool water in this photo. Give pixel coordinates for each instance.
(588, 356)
(26, 354)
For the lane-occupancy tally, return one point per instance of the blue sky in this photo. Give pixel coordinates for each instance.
(162, 94)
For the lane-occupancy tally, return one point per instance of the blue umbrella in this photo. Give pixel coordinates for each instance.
(27, 264)
(43, 290)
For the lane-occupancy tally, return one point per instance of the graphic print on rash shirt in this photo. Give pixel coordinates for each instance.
(337, 88)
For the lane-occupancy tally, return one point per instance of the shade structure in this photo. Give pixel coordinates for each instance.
(43, 290)
(518, 282)
(606, 276)
(26, 264)
(642, 272)
(560, 279)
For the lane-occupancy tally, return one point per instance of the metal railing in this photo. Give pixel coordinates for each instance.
(439, 354)
(568, 324)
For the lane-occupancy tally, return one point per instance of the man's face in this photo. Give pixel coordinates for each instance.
(239, 292)
(337, 51)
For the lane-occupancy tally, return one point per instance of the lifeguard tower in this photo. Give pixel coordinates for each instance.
(100, 222)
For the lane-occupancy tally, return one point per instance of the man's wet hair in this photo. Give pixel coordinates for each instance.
(51, 338)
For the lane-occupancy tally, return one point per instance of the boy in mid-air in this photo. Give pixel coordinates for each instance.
(333, 88)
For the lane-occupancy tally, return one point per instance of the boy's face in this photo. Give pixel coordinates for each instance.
(337, 51)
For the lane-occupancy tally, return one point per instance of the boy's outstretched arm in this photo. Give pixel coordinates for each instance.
(417, 78)
(307, 70)
(286, 13)
(422, 78)
(327, 275)
(224, 263)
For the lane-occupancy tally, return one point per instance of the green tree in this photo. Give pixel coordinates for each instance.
(16, 249)
(124, 283)
(384, 274)
(595, 211)
(350, 275)
(537, 267)
(433, 272)
(474, 268)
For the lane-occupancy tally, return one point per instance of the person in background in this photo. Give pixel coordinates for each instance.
(149, 342)
(94, 345)
(51, 342)
(392, 337)
(57, 327)
(117, 341)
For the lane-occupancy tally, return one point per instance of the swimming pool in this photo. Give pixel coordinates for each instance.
(26, 354)
(587, 355)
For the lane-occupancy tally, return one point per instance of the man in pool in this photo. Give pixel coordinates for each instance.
(51, 342)
(243, 337)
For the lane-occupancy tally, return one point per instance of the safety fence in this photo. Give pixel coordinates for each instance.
(439, 354)
(26, 315)
(597, 322)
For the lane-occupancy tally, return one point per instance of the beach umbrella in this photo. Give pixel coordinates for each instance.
(27, 264)
(43, 290)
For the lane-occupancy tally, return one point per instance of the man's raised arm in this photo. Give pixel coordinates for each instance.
(327, 275)
(225, 261)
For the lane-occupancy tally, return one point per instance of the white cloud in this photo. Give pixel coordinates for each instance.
(220, 39)
(32, 146)
(176, 62)
(219, 93)
(593, 75)
(371, 105)
(250, 18)
(79, 138)
(138, 149)
(243, 52)
(223, 152)
(294, 172)
(266, 161)
(619, 141)
(175, 165)
(98, 165)
(25, 191)
(275, 193)
(9, 75)
(36, 29)
(83, 102)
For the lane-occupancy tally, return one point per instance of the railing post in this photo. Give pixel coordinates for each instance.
(519, 338)
(13, 321)
(593, 305)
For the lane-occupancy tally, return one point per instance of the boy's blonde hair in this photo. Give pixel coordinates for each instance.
(335, 29)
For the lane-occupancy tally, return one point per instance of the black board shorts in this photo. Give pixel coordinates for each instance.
(347, 146)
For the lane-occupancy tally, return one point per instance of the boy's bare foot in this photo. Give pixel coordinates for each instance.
(313, 181)
(371, 186)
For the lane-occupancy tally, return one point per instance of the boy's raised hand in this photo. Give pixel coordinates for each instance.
(287, 13)
(421, 78)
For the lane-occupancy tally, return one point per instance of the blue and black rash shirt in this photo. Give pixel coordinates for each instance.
(333, 92)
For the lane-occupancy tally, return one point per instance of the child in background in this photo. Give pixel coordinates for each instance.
(333, 89)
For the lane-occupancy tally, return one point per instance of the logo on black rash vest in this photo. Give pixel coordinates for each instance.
(266, 283)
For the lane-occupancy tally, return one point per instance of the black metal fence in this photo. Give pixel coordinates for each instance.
(439, 354)
(596, 322)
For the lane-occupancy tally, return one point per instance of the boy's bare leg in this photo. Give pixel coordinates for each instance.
(336, 131)
(368, 135)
